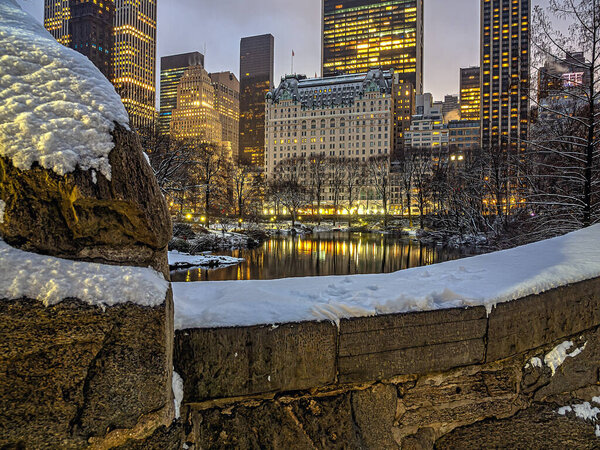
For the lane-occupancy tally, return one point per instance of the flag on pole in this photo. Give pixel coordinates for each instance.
(293, 54)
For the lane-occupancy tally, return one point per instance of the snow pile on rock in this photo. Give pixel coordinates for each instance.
(212, 241)
(558, 354)
(51, 280)
(480, 280)
(2, 206)
(179, 260)
(56, 107)
(584, 411)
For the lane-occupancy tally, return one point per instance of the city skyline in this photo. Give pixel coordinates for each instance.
(448, 47)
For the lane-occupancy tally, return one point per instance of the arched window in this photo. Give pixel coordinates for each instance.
(304, 124)
(332, 123)
(313, 124)
(322, 123)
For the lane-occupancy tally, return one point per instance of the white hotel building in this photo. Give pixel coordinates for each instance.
(347, 116)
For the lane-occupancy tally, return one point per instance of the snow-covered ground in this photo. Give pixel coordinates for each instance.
(179, 260)
(51, 280)
(480, 280)
(56, 107)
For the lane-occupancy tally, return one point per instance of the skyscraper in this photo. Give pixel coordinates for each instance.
(172, 69)
(362, 34)
(56, 20)
(133, 59)
(470, 93)
(91, 32)
(227, 104)
(195, 115)
(85, 26)
(256, 79)
(505, 53)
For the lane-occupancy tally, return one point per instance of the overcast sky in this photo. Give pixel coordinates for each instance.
(451, 34)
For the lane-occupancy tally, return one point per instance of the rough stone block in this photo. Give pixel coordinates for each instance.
(374, 348)
(537, 427)
(81, 216)
(71, 372)
(229, 362)
(534, 321)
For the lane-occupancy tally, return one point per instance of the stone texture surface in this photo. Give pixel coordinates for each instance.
(71, 371)
(123, 221)
(374, 348)
(503, 400)
(229, 362)
(549, 316)
(538, 427)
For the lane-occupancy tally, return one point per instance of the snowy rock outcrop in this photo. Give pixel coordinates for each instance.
(85, 303)
(73, 178)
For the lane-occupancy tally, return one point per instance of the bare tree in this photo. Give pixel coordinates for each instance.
(379, 174)
(292, 195)
(246, 188)
(353, 181)
(209, 165)
(317, 175)
(337, 174)
(564, 176)
(422, 173)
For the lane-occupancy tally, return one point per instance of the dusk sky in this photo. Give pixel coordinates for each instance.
(451, 34)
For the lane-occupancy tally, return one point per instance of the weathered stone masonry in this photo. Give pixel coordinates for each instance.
(454, 378)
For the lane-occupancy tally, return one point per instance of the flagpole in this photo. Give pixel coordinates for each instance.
(292, 72)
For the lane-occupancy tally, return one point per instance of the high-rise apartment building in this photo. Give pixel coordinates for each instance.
(172, 69)
(195, 116)
(135, 58)
(56, 19)
(505, 57)
(91, 31)
(256, 79)
(227, 103)
(85, 26)
(403, 94)
(363, 34)
(427, 129)
(470, 93)
(134, 40)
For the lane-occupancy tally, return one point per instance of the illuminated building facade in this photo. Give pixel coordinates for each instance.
(470, 93)
(91, 31)
(172, 69)
(196, 116)
(227, 103)
(56, 20)
(348, 116)
(85, 26)
(404, 108)
(256, 79)
(135, 58)
(362, 34)
(463, 136)
(427, 129)
(505, 56)
(134, 38)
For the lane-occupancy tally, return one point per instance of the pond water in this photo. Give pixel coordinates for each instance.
(335, 253)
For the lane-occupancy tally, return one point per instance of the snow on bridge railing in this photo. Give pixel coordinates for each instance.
(484, 280)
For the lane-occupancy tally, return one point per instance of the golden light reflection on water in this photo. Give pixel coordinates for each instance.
(324, 254)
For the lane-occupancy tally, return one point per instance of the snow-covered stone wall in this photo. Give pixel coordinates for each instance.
(445, 377)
